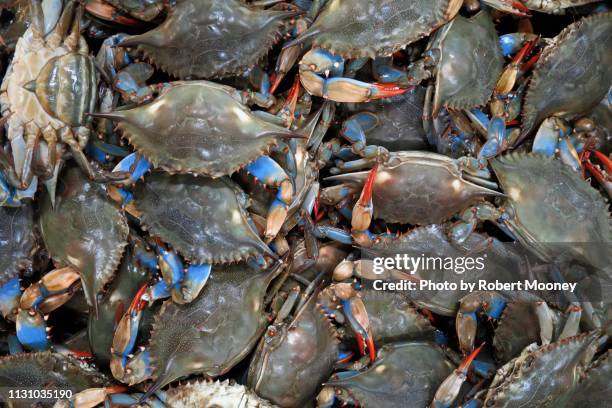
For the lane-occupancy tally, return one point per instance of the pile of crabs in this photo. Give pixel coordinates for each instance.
(193, 194)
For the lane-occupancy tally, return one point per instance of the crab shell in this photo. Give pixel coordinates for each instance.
(393, 318)
(399, 123)
(419, 188)
(470, 62)
(84, 230)
(401, 371)
(518, 327)
(593, 390)
(573, 74)
(214, 332)
(372, 28)
(553, 211)
(204, 219)
(199, 128)
(544, 376)
(213, 394)
(51, 371)
(16, 240)
(502, 262)
(211, 38)
(292, 360)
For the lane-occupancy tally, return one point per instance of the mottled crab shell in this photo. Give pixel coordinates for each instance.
(519, 327)
(16, 240)
(394, 318)
(470, 62)
(402, 371)
(198, 128)
(554, 211)
(289, 365)
(433, 241)
(214, 332)
(399, 124)
(372, 28)
(44, 371)
(545, 376)
(204, 219)
(573, 74)
(594, 389)
(419, 188)
(211, 38)
(213, 394)
(85, 230)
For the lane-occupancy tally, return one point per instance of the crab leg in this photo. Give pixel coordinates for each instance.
(508, 78)
(491, 303)
(354, 129)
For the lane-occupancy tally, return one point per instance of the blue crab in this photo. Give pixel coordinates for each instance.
(401, 370)
(212, 38)
(45, 370)
(570, 77)
(572, 226)
(49, 86)
(295, 355)
(204, 128)
(384, 190)
(544, 376)
(364, 29)
(85, 234)
(208, 336)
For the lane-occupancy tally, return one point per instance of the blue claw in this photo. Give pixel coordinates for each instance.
(270, 173)
(171, 268)
(134, 164)
(32, 330)
(195, 279)
(182, 284)
(10, 293)
(496, 140)
(159, 291)
(495, 307)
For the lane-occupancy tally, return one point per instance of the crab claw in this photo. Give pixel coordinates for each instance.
(270, 173)
(509, 6)
(126, 334)
(351, 90)
(41, 298)
(364, 210)
(92, 397)
(135, 166)
(32, 330)
(183, 284)
(508, 78)
(449, 389)
(357, 316)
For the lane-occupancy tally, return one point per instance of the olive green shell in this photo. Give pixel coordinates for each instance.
(45, 371)
(573, 74)
(545, 377)
(554, 212)
(372, 28)
(16, 240)
(85, 230)
(198, 127)
(290, 365)
(470, 62)
(214, 332)
(67, 87)
(204, 219)
(402, 372)
(211, 38)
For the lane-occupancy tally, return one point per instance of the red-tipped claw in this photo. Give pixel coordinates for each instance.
(387, 91)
